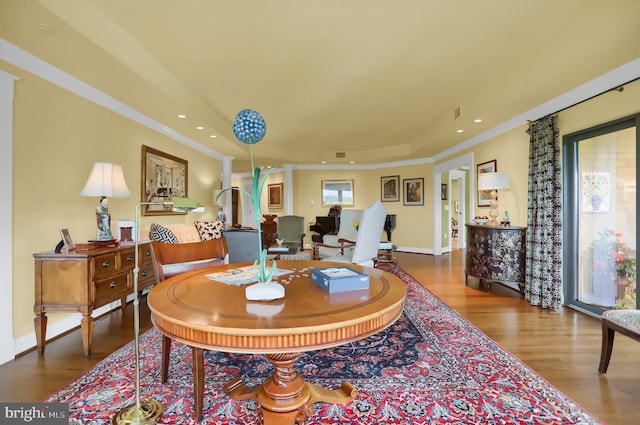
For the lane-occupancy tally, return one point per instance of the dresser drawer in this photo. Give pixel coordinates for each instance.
(144, 251)
(127, 259)
(104, 264)
(110, 289)
(146, 276)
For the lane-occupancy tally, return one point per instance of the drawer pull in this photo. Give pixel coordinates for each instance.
(129, 257)
(148, 253)
(144, 273)
(105, 264)
(113, 284)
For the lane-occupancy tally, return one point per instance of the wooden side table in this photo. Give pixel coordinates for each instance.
(386, 254)
(83, 281)
(496, 254)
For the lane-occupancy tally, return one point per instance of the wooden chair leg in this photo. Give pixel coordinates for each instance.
(607, 347)
(166, 356)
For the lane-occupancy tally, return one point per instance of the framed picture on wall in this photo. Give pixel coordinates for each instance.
(163, 177)
(275, 195)
(443, 191)
(390, 188)
(413, 191)
(337, 192)
(484, 196)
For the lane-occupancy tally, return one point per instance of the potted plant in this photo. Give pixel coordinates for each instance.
(608, 261)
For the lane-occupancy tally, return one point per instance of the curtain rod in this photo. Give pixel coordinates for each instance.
(619, 89)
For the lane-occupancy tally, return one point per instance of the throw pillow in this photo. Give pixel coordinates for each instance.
(209, 229)
(160, 233)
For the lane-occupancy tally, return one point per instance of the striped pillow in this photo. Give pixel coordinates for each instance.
(160, 233)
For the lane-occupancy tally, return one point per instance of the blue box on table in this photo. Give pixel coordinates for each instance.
(340, 279)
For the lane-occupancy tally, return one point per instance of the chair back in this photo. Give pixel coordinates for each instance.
(243, 245)
(291, 229)
(348, 219)
(170, 259)
(369, 233)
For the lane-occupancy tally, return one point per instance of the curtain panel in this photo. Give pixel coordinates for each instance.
(543, 276)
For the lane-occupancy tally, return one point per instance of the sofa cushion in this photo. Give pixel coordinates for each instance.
(209, 229)
(160, 233)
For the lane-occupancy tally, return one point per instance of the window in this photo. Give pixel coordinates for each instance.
(600, 217)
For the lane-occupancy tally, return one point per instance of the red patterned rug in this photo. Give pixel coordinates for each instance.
(431, 367)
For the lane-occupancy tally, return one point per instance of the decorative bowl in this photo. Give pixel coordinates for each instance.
(480, 220)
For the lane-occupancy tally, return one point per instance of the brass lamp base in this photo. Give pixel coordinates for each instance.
(148, 412)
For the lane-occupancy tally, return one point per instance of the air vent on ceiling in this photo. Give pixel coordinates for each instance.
(341, 155)
(457, 112)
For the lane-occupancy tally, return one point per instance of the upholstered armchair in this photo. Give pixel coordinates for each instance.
(365, 248)
(291, 229)
(331, 245)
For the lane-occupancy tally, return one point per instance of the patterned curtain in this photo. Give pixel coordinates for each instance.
(543, 276)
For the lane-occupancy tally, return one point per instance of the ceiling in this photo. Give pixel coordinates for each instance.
(377, 80)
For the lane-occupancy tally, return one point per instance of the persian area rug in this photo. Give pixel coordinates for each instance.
(430, 367)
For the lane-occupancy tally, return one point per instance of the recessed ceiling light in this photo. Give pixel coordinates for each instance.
(459, 131)
(477, 120)
(199, 127)
(44, 28)
(213, 136)
(182, 116)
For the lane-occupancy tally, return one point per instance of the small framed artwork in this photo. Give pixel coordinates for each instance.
(275, 195)
(66, 239)
(595, 192)
(484, 196)
(443, 191)
(163, 177)
(390, 188)
(413, 191)
(337, 192)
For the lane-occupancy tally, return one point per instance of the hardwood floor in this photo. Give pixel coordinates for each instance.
(563, 347)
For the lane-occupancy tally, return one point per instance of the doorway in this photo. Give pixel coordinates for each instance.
(458, 169)
(601, 170)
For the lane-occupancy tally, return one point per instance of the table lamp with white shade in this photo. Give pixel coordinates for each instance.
(493, 182)
(106, 179)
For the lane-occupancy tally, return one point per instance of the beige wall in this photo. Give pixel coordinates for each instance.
(57, 138)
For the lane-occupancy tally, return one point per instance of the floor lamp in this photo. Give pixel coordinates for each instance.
(493, 182)
(146, 411)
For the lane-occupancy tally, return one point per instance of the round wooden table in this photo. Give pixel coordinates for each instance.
(209, 315)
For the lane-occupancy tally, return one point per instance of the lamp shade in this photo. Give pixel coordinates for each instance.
(106, 179)
(490, 181)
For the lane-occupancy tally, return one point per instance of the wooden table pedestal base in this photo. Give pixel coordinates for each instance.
(285, 398)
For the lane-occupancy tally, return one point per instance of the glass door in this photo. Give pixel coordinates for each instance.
(600, 247)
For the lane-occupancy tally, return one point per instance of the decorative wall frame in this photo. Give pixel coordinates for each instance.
(337, 192)
(413, 191)
(595, 192)
(443, 191)
(163, 177)
(390, 188)
(275, 195)
(484, 196)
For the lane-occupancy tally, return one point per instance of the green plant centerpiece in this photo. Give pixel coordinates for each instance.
(249, 127)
